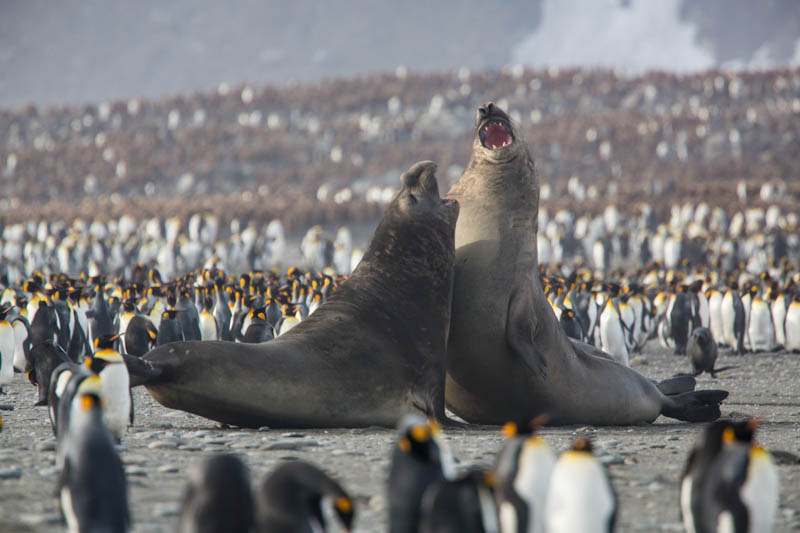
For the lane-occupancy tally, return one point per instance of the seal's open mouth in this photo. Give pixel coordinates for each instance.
(495, 134)
(448, 201)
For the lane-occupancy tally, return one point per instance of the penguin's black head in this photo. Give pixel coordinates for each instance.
(105, 342)
(526, 427)
(95, 364)
(169, 314)
(744, 431)
(129, 306)
(420, 194)
(259, 312)
(416, 437)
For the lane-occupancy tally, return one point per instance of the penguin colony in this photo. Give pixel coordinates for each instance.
(75, 330)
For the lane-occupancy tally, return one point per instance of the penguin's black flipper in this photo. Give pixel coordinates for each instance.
(696, 406)
(142, 372)
(677, 384)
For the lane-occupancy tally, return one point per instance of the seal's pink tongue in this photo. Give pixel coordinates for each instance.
(496, 136)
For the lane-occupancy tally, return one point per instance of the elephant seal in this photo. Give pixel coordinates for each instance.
(507, 356)
(372, 353)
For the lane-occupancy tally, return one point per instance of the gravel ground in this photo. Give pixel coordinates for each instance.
(645, 462)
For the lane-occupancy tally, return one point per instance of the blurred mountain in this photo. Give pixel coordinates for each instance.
(53, 53)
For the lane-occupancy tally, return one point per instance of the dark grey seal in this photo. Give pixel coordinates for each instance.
(507, 356)
(372, 353)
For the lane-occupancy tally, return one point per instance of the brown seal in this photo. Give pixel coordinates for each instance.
(372, 353)
(507, 356)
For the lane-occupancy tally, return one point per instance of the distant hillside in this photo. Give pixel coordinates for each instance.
(75, 51)
(333, 151)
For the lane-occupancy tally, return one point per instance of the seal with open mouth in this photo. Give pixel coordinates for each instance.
(507, 356)
(372, 353)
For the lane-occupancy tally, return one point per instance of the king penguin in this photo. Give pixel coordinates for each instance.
(22, 341)
(92, 485)
(294, 496)
(523, 468)
(463, 505)
(7, 347)
(792, 324)
(169, 330)
(115, 380)
(733, 319)
(218, 498)
(696, 471)
(209, 331)
(760, 329)
(613, 333)
(259, 329)
(418, 460)
(580, 497)
(740, 489)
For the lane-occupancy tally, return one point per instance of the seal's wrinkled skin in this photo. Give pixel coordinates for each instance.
(507, 356)
(372, 353)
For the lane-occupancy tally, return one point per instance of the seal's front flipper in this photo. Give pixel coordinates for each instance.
(697, 406)
(520, 329)
(142, 372)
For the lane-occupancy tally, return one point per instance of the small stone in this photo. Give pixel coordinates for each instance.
(6, 407)
(46, 446)
(377, 502)
(292, 435)
(135, 471)
(611, 459)
(10, 473)
(49, 472)
(217, 441)
(163, 445)
(673, 437)
(168, 469)
(630, 461)
(190, 447)
(244, 445)
(263, 428)
(658, 446)
(166, 509)
(639, 360)
(133, 459)
(291, 445)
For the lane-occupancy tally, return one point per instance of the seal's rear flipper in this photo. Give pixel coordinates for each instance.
(697, 406)
(677, 384)
(142, 372)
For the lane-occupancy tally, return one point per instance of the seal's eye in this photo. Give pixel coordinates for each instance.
(413, 199)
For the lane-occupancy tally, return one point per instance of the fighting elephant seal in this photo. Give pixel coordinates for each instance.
(372, 353)
(507, 357)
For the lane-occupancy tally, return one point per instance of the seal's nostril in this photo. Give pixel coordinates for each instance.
(490, 107)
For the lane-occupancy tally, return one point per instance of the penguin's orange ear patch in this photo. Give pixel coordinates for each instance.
(509, 430)
(404, 444)
(88, 401)
(421, 433)
(344, 505)
(96, 343)
(152, 334)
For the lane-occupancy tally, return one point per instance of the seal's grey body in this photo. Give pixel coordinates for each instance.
(507, 357)
(372, 353)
